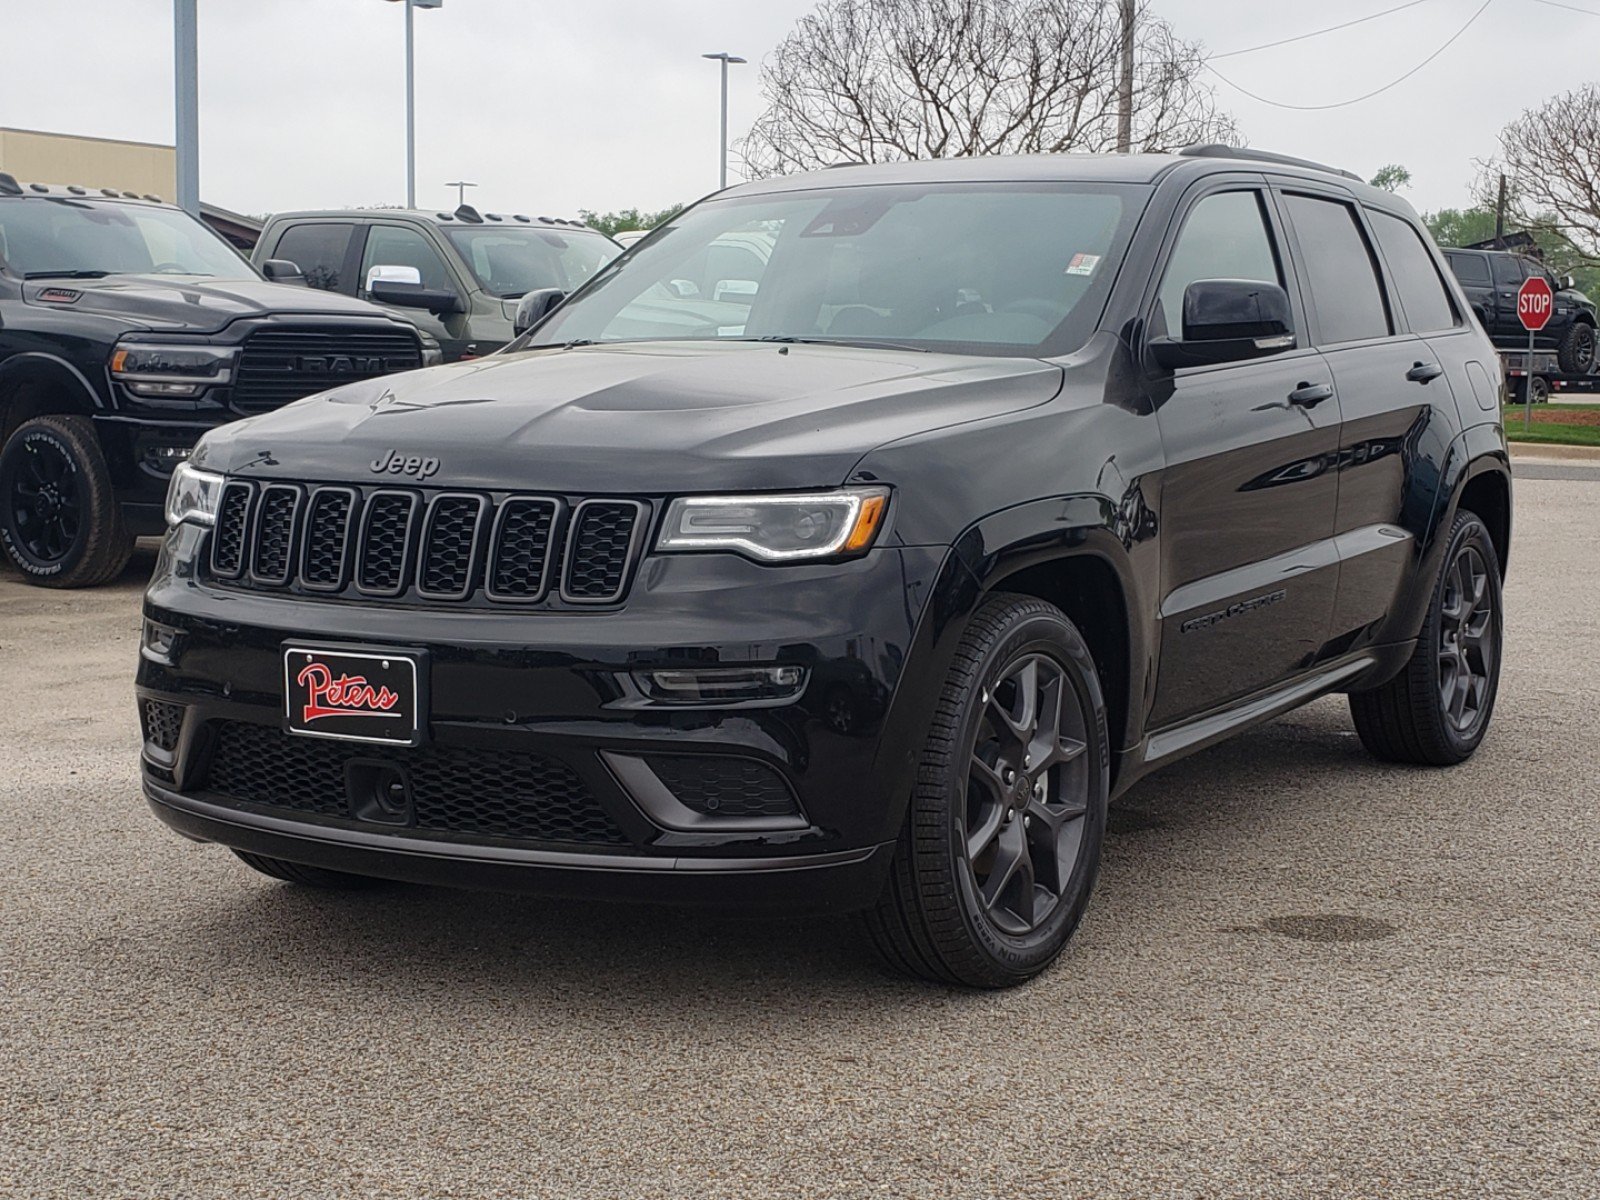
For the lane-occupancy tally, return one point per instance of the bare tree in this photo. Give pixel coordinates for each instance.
(881, 80)
(1551, 154)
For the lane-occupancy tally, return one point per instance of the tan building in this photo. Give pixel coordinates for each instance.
(144, 168)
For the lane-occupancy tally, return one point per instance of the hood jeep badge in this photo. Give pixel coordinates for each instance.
(395, 463)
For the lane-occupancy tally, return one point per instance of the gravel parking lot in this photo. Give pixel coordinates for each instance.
(1304, 975)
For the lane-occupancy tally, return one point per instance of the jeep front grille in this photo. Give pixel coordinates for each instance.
(447, 547)
(280, 365)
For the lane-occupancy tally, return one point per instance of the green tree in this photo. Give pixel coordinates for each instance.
(1460, 226)
(627, 219)
(1392, 178)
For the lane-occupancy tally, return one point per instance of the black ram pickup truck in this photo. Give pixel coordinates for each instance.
(1491, 280)
(127, 330)
(866, 584)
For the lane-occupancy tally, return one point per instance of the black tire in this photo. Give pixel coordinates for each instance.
(1413, 718)
(935, 918)
(1577, 350)
(60, 522)
(313, 877)
(1539, 392)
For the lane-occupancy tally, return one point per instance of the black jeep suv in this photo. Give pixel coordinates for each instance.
(127, 329)
(866, 585)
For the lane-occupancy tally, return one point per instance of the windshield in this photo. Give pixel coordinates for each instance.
(972, 268)
(58, 237)
(510, 262)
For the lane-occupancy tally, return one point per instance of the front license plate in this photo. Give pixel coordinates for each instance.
(354, 695)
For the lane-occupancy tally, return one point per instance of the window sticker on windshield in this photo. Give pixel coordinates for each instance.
(730, 330)
(1083, 264)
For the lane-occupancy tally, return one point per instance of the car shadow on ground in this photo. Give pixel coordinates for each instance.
(514, 946)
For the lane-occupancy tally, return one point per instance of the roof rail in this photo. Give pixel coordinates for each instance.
(1217, 150)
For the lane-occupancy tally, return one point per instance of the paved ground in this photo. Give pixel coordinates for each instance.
(1304, 975)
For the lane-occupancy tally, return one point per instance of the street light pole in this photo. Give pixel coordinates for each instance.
(186, 106)
(411, 97)
(461, 186)
(725, 59)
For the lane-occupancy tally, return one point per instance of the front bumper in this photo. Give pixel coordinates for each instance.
(536, 695)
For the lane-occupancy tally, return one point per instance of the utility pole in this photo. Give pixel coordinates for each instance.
(186, 73)
(1500, 214)
(1125, 86)
(411, 97)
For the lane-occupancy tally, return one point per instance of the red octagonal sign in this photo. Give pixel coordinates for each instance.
(1535, 303)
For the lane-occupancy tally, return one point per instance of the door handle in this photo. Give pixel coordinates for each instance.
(1424, 373)
(1309, 395)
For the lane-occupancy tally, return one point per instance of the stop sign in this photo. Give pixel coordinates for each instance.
(1535, 303)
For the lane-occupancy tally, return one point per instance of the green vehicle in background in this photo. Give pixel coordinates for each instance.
(457, 275)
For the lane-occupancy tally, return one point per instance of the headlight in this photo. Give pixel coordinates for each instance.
(171, 370)
(432, 349)
(777, 528)
(192, 496)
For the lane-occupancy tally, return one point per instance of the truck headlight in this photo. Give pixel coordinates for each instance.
(154, 370)
(777, 528)
(192, 496)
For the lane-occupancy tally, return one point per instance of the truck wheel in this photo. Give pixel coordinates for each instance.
(1436, 711)
(1001, 841)
(314, 877)
(1539, 392)
(59, 519)
(1577, 350)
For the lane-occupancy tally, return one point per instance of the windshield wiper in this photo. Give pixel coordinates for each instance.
(859, 343)
(69, 274)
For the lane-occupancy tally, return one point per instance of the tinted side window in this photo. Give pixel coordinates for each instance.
(319, 252)
(1224, 237)
(397, 246)
(1416, 279)
(1340, 272)
(1470, 268)
(1507, 269)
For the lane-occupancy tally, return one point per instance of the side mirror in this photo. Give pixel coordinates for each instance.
(281, 270)
(1568, 283)
(1228, 320)
(402, 287)
(534, 307)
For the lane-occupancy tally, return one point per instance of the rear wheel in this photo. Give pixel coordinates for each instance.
(1001, 842)
(1539, 390)
(314, 877)
(1437, 710)
(1577, 350)
(59, 520)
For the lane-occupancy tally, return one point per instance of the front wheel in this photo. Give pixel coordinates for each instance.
(1001, 842)
(59, 520)
(1437, 710)
(1577, 350)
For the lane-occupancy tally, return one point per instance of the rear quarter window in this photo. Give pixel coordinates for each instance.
(1469, 268)
(1422, 292)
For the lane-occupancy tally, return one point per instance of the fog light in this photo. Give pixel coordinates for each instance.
(698, 685)
(159, 642)
(164, 459)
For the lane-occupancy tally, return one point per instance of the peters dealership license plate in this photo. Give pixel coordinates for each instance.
(355, 695)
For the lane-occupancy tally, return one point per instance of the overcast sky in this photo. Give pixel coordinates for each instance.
(553, 105)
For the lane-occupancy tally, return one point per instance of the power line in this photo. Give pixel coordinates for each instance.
(1319, 32)
(1588, 12)
(1471, 21)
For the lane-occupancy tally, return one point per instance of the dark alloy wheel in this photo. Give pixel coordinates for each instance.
(1576, 353)
(1539, 390)
(1001, 841)
(59, 521)
(1436, 711)
(1026, 800)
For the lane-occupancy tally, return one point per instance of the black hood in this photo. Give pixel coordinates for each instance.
(642, 418)
(189, 303)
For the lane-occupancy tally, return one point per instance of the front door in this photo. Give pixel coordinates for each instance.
(1249, 490)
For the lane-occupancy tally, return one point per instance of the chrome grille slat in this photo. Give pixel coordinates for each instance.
(273, 533)
(384, 552)
(230, 537)
(446, 568)
(600, 550)
(325, 542)
(521, 549)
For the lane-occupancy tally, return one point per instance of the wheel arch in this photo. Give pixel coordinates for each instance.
(34, 385)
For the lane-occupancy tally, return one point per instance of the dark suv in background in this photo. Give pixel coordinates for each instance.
(128, 329)
(1491, 280)
(866, 583)
(458, 275)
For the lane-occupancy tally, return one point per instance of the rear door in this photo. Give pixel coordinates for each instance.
(1471, 270)
(1248, 492)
